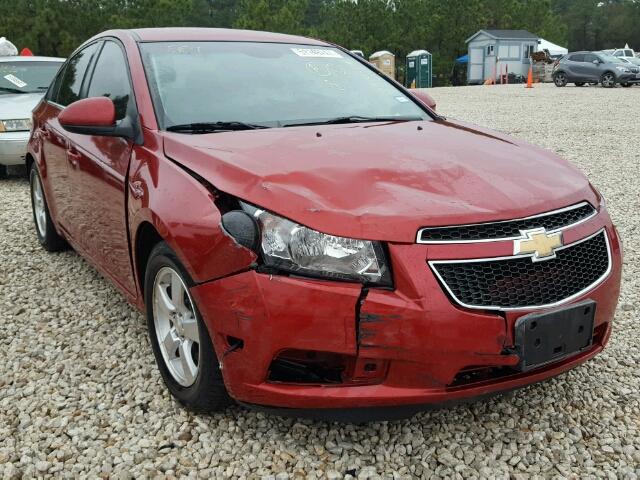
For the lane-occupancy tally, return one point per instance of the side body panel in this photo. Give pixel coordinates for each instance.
(183, 212)
(52, 162)
(97, 171)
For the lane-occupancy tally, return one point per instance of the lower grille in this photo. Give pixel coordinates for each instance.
(518, 283)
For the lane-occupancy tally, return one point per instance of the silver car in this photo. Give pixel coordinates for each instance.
(593, 67)
(23, 82)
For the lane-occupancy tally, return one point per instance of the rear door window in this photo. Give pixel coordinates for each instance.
(577, 57)
(111, 78)
(71, 80)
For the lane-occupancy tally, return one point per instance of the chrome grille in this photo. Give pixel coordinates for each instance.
(516, 282)
(508, 229)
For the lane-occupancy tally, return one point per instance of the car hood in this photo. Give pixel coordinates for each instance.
(18, 105)
(383, 181)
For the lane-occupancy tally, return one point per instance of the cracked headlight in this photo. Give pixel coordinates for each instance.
(289, 246)
(18, 125)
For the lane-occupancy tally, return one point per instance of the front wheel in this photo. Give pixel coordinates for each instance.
(3, 172)
(179, 338)
(46, 231)
(560, 79)
(608, 80)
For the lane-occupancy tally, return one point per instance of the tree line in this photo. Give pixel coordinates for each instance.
(57, 27)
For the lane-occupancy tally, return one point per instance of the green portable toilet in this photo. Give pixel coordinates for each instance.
(419, 69)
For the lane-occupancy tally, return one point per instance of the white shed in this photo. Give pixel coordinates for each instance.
(491, 51)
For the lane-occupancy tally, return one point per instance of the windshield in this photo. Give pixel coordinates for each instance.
(609, 58)
(26, 77)
(268, 84)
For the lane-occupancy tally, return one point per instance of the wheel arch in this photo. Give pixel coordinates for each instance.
(168, 203)
(146, 238)
(28, 161)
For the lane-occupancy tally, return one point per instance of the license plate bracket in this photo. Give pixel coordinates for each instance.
(547, 337)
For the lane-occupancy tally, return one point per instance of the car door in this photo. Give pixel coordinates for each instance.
(575, 67)
(98, 166)
(65, 90)
(592, 70)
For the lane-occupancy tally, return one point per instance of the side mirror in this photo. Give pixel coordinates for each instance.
(91, 116)
(424, 97)
(596, 62)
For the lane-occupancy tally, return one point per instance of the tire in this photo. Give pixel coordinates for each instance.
(579, 84)
(185, 340)
(46, 231)
(3, 172)
(608, 80)
(560, 79)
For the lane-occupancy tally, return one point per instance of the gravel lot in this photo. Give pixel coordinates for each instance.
(80, 394)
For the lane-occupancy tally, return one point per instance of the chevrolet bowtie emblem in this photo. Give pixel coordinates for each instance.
(538, 243)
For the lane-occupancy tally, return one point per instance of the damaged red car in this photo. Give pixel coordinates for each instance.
(306, 235)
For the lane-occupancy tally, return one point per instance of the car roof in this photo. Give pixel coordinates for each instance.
(16, 58)
(190, 34)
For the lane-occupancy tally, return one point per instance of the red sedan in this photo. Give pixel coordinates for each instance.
(306, 235)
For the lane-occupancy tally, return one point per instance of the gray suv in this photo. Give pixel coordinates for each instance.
(594, 67)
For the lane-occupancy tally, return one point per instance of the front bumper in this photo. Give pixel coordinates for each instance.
(629, 78)
(13, 147)
(431, 351)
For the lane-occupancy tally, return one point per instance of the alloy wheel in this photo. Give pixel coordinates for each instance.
(176, 326)
(560, 80)
(39, 207)
(608, 80)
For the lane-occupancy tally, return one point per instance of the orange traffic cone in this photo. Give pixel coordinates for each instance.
(530, 77)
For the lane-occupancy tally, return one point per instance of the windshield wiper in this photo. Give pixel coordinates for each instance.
(208, 127)
(353, 119)
(12, 90)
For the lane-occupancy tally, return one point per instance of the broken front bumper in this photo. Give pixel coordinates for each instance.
(410, 346)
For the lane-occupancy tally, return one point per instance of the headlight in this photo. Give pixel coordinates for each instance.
(288, 246)
(623, 69)
(18, 125)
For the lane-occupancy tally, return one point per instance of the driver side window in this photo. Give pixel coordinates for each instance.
(111, 78)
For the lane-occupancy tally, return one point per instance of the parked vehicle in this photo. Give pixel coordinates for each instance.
(591, 67)
(300, 244)
(633, 62)
(23, 82)
(625, 52)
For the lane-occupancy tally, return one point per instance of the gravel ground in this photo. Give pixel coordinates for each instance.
(80, 394)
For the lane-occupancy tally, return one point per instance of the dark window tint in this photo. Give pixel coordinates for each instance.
(52, 94)
(578, 57)
(111, 78)
(590, 57)
(73, 75)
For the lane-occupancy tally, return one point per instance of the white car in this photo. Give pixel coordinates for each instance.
(23, 82)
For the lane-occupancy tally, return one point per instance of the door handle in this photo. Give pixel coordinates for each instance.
(73, 156)
(45, 132)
